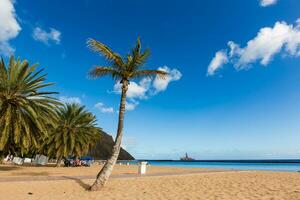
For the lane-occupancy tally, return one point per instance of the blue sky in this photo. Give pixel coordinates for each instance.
(237, 101)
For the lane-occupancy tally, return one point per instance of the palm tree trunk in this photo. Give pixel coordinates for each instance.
(107, 169)
(58, 161)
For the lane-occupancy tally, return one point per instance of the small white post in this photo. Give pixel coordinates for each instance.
(142, 168)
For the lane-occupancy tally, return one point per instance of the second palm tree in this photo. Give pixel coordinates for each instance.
(122, 70)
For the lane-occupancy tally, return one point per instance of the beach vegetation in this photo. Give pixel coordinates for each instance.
(27, 107)
(74, 133)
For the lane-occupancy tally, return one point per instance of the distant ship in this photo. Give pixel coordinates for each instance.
(186, 158)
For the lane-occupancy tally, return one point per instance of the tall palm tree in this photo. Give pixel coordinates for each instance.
(122, 70)
(26, 109)
(74, 133)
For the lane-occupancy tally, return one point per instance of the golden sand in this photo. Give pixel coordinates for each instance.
(227, 185)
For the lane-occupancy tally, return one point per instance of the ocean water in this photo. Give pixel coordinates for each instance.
(273, 165)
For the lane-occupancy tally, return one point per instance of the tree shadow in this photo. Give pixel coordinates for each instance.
(8, 168)
(80, 182)
(32, 173)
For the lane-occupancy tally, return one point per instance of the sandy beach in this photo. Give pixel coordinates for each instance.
(161, 183)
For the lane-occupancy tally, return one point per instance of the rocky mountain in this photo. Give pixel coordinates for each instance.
(102, 149)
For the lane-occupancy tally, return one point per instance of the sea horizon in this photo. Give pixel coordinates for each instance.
(292, 165)
(284, 160)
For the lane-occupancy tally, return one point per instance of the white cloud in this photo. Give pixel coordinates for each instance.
(6, 49)
(269, 41)
(135, 90)
(217, 62)
(131, 105)
(265, 3)
(160, 84)
(100, 106)
(147, 87)
(66, 99)
(9, 26)
(45, 37)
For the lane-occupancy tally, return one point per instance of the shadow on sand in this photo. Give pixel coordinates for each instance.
(80, 182)
(8, 168)
(32, 173)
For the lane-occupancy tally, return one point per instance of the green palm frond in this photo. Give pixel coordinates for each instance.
(137, 48)
(150, 74)
(129, 68)
(99, 71)
(74, 133)
(25, 110)
(104, 50)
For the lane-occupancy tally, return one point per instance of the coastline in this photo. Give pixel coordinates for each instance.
(292, 165)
